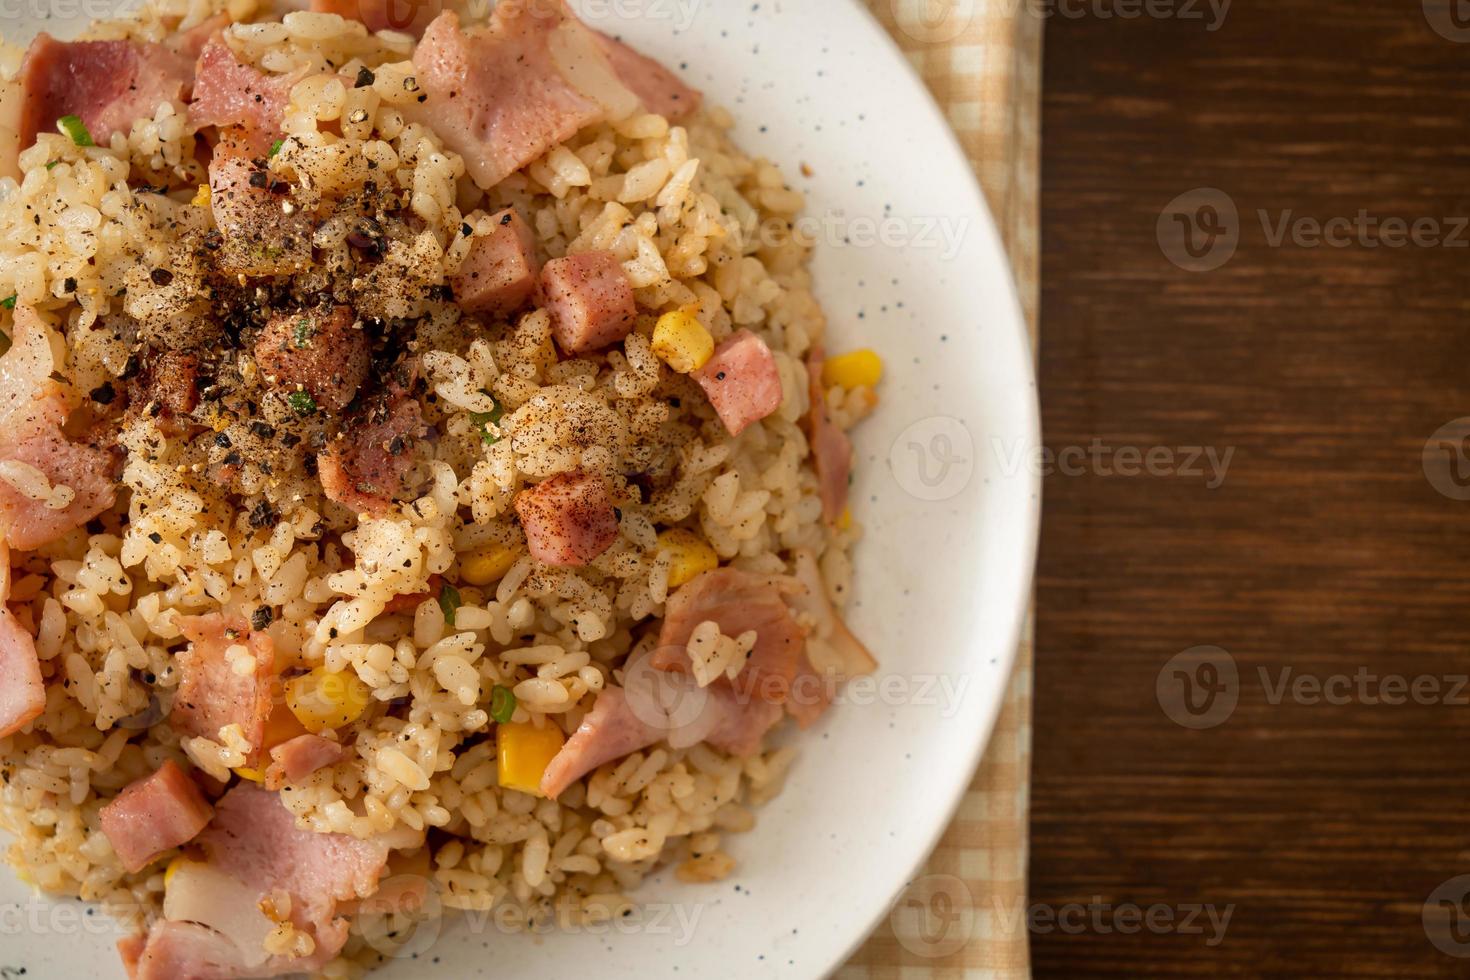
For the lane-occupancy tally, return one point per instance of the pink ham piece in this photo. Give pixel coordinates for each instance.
(741, 381)
(621, 723)
(322, 352)
(22, 690)
(657, 88)
(153, 815)
(33, 405)
(107, 84)
(737, 601)
(590, 299)
(230, 94)
(213, 924)
(372, 465)
(211, 695)
(502, 94)
(568, 519)
(831, 448)
(260, 238)
(294, 760)
(403, 16)
(499, 273)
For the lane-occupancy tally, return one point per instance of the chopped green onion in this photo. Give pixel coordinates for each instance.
(502, 704)
(8, 302)
(52, 164)
(303, 333)
(76, 129)
(276, 146)
(481, 419)
(449, 602)
(301, 402)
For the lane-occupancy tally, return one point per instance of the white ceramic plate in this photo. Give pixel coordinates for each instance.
(909, 264)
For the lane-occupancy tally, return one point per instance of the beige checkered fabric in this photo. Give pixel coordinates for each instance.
(965, 915)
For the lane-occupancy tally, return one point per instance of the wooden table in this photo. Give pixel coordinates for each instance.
(1326, 550)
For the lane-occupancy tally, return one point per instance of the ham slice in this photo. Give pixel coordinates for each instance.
(22, 690)
(153, 815)
(214, 927)
(657, 88)
(568, 519)
(737, 601)
(403, 16)
(211, 694)
(107, 84)
(371, 465)
(260, 238)
(655, 707)
(33, 406)
(741, 381)
(294, 760)
(503, 94)
(499, 274)
(590, 299)
(322, 352)
(228, 93)
(831, 448)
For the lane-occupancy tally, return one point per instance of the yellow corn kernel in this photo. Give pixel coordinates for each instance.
(490, 565)
(682, 342)
(254, 775)
(855, 369)
(691, 555)
(524, 752)
(173, 869)
(844, 520)
(201, 197)
(322, 700)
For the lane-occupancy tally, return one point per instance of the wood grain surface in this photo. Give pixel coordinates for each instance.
(1325, 820)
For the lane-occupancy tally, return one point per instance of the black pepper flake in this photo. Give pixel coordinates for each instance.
(156, 538)
(69, 284)
(364, 78)
(719, 375)
(466, 230)
(132, 367)
(263, 515)
(233, 458)
(262, 430)
(261, 618)
(161, 277)
(223, 440)
(507, 218)
(259, 179)
(103, 394)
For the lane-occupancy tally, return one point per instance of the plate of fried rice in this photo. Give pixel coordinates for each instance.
(490, 489)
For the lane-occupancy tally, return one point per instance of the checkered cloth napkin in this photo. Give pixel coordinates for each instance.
(965, 915)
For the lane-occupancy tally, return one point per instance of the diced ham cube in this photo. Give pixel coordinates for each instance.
(502, 94)
(228, 93)
(322, 352)
(568, 519)
(298, 758)
(590, 299)
(499, 273)
(737, 602)
(260, 237)
(657, 88)
(741, 381)
(212, 693)
(153, 815)
(108, 84)
(371, 465)
(831, 448)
